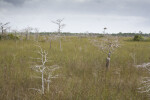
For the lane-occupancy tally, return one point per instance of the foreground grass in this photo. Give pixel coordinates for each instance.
(82, 73)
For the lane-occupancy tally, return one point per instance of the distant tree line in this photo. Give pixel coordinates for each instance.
(89, 34)
(130, 34)
(97, 34)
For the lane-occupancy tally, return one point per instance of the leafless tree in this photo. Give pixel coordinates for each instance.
(133, 56)
(145, 81)
(27, 32)
(51, 38)
(21, 34)
(144, 65)
(105, 30)
(47, 72)
(60, 25)
(4, 27)
(36, 34)
(15, 31)
(50, 75)
(108, 44)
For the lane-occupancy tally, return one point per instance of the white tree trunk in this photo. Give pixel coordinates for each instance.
(36, 37)
(108, 60)
(60, 43)
(28, 36)
(50, 44)
(42, 82)
(48, 86)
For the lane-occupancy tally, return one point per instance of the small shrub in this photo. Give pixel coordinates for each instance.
(138, 38)
(11, 36)
(8, 37)
(100, 36)
(2, 37)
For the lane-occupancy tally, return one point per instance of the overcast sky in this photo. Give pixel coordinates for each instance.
(79, 15)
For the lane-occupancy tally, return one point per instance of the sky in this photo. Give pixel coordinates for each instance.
(79, 15)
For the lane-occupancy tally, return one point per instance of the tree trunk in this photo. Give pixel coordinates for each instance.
(50, 44)
(20, 36)
(42, 83)
(2, 31)
(48, 83)
(48, 87)
(60, 43)
(37, 36)
(108, 60)
(26, 36)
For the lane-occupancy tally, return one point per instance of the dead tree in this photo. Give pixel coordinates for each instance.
(15, 31)
(108, 44)
(27, 32)
(145, 81)
(133, 56)
(105, 30)
(52, 37)
(60, 25)
(50, 75)
(36, 34)
(47, 72)
(4, 27)
(21, 34)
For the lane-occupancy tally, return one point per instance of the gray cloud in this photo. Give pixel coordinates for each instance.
(132, 15)
(119, 7)
(15, 2)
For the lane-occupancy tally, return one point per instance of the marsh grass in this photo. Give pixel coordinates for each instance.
(83, 73)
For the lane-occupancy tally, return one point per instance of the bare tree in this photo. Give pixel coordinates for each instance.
(36, 34)
(47, 72)
(60, 25)
(51, 38)
(108, 44)
(21, 34)
(15, 31)
(4, 27)
(145, 81)
(105, 30)
(50, 75)
(133, 56)
(27, 32)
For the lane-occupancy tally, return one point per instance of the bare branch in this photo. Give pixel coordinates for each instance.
(46, 71)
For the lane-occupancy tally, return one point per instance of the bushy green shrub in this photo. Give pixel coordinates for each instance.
(138, 38)
(2, 37)
(100, 36)
(11, 36)
(8, 37)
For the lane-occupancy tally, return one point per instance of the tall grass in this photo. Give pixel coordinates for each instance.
(82, 73)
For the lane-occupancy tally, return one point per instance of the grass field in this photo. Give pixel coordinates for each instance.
(82, 73)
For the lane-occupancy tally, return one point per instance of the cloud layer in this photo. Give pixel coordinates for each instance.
(80, 15)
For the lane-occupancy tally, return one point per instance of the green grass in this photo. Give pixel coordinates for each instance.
(82, 74)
